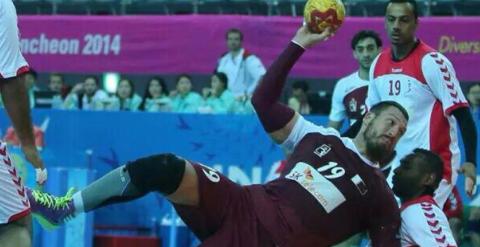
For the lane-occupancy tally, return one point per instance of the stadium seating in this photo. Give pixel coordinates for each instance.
(245, 7)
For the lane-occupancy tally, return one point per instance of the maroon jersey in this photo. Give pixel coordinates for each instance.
(327, 192)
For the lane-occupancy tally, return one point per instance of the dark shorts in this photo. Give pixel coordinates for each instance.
(225, 215)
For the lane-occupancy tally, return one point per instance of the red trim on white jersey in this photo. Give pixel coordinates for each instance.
(424, 224)
(439, 140)
(411, 67)
(22, 70)
(18, 216)
(454, 107)
(425, 198)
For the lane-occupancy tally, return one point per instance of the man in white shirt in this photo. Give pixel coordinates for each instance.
(348, 100)
(87, 96)
(243, 69)
(424, 82)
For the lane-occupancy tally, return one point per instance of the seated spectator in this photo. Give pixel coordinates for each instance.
(30, 83)
(217, 98)
(473, 96)
(125, 99)
(305, 102)
(87, 96)
(57, 84)
(156, 97)
(473, 226)
(184, 100)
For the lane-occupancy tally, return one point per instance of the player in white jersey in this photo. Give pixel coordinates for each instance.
(15, 220)
(424, 82)
(414, 182)
(348, 100)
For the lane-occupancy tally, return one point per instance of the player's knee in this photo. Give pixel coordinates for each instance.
(162, 172)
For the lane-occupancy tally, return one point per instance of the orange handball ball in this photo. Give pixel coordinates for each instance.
(320, 14)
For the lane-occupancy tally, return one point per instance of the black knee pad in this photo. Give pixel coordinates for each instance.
(163, 173)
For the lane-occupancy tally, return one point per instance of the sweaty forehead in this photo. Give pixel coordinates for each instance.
(394, 112)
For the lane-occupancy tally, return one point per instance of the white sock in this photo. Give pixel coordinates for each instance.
(78, 202)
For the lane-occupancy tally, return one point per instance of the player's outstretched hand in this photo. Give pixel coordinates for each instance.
(32, 155)
(468, 169)
(306, 38)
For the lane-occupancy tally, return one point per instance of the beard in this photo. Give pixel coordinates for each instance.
(376, 151)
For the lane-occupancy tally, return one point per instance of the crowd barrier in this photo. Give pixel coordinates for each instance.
(193, 43)
(78, 143)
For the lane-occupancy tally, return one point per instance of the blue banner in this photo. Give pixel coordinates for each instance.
(236, 145)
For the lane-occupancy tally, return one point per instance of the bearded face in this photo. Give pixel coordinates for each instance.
(379, 145)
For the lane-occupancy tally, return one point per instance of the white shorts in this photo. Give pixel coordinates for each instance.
(12, 63)
(13, 200)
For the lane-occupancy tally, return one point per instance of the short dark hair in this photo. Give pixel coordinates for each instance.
(183, 76)
(32, 72)
(366, 34)
(301, 85)
(411, 2)
(234, 30)
(148, 95)
(57, 74)
(95, 78)
(431, 163)
(222, 77)
(130, 82)
(380, 107)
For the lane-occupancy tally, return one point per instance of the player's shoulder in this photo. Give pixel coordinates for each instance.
(309, 127)
(349, 78)
(422, 207)
(349, 83)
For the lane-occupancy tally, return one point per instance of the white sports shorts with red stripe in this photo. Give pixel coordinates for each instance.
(13, 200)
(12, 63)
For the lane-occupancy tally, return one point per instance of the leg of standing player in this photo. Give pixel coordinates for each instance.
(17, 234)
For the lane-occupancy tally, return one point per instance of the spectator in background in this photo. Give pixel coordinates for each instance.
(348, 101)
(155, 98)
(218, 98)
(305, 102)
(243, 69)
(125, 99)
(57, 84)
(30, 83)
(184, 100)
(473, 225)
(473, 96)
(86, 96)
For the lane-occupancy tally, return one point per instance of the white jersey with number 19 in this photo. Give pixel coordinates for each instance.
(425, 84)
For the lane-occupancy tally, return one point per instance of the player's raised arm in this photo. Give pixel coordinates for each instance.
(278, 119)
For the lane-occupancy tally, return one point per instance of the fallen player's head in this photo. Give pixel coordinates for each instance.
(419, 174)
(381, 128)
